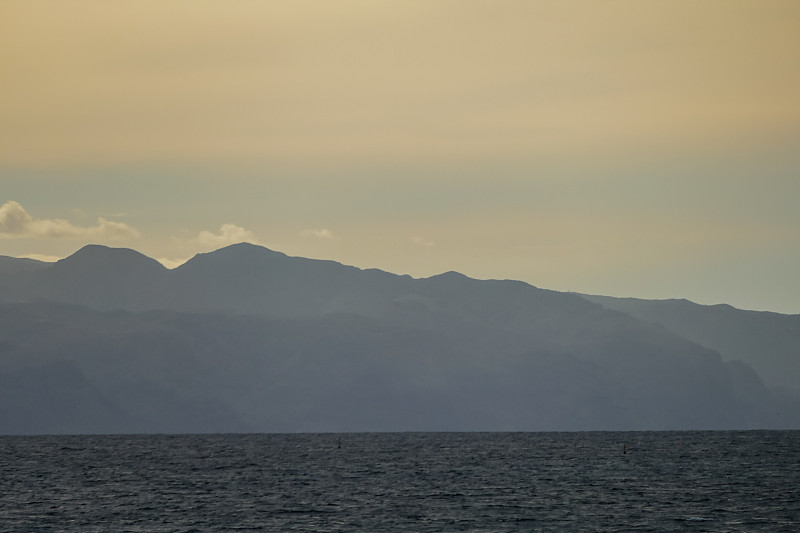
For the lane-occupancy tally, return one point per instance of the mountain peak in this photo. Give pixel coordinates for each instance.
(94, 256)
(241, 253)
(246, 248)
(451, 274)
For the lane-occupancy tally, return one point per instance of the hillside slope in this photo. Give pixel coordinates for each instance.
(769, 342)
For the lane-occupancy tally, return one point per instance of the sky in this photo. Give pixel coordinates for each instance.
(624, 148)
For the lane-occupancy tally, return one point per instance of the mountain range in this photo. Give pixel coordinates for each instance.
(246, 339)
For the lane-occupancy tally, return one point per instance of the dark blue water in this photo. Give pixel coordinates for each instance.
(403, 482)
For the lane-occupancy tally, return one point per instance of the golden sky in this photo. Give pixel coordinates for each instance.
(624, 147)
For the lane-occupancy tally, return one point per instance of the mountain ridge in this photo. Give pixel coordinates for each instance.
(271, 342)
(768, 341)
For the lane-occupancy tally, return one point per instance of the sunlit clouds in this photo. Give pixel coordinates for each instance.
(171, 263)
(16, 222)
(182, 248)
(322, 233)
(419, 240)
(226, 235)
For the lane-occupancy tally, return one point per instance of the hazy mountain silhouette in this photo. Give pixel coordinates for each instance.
(13, 265)
(248, 339)
(769, 342)
(245, 278)
(165, 371)
(98, 276)
(15, 274)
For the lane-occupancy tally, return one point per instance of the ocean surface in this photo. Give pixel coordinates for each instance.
(403, 482)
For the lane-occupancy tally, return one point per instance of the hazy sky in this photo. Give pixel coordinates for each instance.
(627, 148)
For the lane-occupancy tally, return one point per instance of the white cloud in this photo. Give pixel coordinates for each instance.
(16, 222)
(422, 241)
(170, 263)
(322, 233)
(226, 235)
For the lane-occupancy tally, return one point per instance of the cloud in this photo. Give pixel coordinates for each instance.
(16, 222)
(183, 248)
(422, 241)
(170, 263)
(226, 235)
(322, 233)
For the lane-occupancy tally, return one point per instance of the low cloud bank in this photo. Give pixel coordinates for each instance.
(226, 235)
(16, 222)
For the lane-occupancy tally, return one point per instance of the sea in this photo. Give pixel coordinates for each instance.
(403, 482)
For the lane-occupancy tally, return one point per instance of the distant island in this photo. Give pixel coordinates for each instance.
(246, 339)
